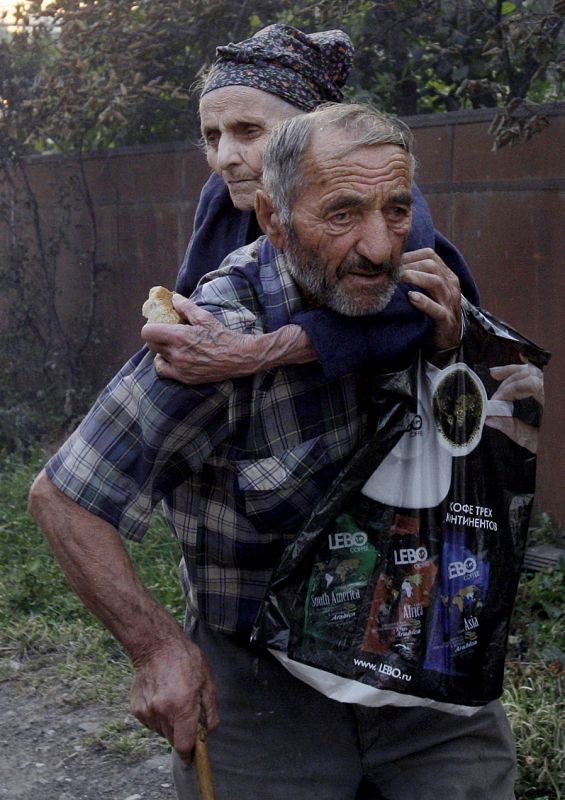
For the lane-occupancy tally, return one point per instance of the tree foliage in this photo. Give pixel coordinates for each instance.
(77, 76)
(103, 73)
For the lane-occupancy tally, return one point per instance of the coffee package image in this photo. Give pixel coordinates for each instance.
(460, 599)
(400, 603)
(338, 584)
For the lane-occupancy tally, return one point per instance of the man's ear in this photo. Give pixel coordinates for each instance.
(268, 218)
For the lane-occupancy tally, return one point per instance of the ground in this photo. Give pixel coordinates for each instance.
(53, 750)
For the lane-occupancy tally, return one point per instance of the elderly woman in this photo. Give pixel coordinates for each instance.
(278, 73)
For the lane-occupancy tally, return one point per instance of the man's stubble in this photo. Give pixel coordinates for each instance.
(311, 273)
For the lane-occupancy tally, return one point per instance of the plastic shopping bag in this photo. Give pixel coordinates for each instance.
(400, 588)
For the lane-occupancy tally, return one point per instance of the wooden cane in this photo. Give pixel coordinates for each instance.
(203, 767)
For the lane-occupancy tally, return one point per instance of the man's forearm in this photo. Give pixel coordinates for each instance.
(172, 688)
(100, 571)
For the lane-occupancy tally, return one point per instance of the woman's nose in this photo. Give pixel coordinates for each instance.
(228, 152)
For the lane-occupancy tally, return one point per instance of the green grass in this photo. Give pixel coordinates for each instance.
(126, 737)
(533, 699)
(45, 631)
(46, 634)
(534, 685)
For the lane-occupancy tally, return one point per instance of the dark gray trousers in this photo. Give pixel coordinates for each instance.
(279, 738)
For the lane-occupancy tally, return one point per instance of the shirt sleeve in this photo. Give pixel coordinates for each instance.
(230, 295)
(145, 436)
(142, 438)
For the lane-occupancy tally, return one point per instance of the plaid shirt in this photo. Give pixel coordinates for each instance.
(239, 464)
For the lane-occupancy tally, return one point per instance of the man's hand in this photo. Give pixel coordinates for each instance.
(172, 691)
(205, 351)
(424, 268)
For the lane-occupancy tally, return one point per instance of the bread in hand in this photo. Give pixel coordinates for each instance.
(159, 307)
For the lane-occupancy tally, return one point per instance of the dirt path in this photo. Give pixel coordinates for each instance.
(48, 751)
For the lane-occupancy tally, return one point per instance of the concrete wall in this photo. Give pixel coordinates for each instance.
(504, 210)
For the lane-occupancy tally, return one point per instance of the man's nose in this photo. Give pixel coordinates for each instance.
(375, 242)
(228, 152)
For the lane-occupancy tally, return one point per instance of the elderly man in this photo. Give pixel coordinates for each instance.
(239, 466)
(278, 73)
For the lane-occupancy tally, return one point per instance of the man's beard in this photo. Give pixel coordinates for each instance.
(310, 272)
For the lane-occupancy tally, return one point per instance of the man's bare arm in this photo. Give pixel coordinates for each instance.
(172, 687)
(205, 351)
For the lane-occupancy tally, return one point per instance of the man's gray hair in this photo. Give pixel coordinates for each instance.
(283, 175)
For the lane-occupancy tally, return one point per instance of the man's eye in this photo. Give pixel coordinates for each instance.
(340, 217)
(398, 212)
(253, 130)
(211, 139)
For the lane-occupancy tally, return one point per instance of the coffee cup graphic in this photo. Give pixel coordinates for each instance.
(452, 406)
(417, 471)
(460, 407)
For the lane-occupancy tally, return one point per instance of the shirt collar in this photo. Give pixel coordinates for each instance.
(281, 295)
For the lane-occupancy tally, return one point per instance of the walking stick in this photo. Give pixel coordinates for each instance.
(203, 768)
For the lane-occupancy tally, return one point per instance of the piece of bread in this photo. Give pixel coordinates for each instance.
(159, 307)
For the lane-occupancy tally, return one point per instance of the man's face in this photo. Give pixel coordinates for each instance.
(235, 123)
(350, 224)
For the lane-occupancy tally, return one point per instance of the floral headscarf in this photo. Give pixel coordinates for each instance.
(304, 69)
